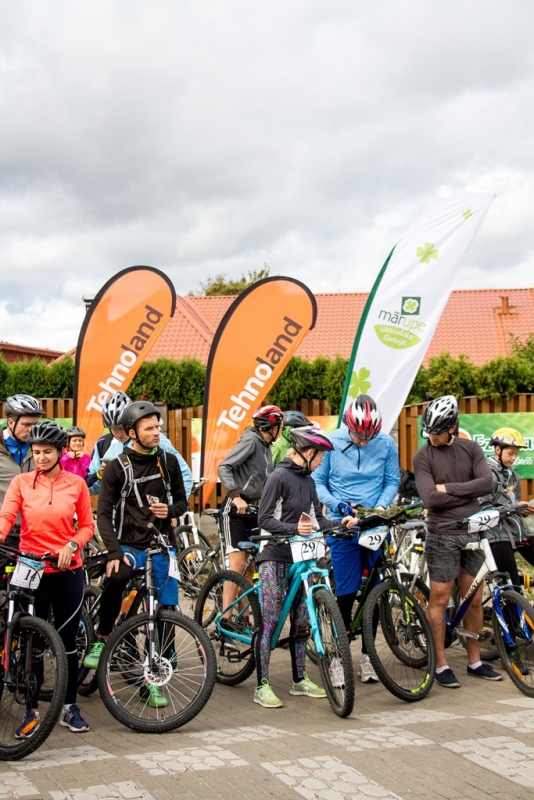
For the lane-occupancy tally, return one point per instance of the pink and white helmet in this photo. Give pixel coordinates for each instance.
(310, 436)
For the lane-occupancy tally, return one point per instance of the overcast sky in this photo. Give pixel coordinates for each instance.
(217, 136)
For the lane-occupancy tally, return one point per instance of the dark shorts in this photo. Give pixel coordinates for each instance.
(235, 527)
(446, 559)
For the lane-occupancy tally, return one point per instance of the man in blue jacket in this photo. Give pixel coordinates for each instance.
(362, 470)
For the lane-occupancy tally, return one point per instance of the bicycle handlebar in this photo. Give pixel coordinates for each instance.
(462, 523)
(13, 554)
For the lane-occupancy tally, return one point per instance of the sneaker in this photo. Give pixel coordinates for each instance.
(29, 725)
(486, 672)
(366, 672)
(337, 676)
(153, 695)
(447, 678)
(73, 720)
(265, 696)
(307, 687)
(93, 656)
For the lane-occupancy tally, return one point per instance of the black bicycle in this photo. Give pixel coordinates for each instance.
(34, 663)
(157, 670)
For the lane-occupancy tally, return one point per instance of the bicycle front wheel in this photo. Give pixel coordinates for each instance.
(37, 677)
(402, 653)
(235, 658)
(335, 665)
(518, 657)
(162, 693)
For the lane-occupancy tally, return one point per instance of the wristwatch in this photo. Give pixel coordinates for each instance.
(75, 546)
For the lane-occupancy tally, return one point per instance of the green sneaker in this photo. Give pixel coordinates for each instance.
(307, 687)
(93, 656)
(154, 696)
(265, 696)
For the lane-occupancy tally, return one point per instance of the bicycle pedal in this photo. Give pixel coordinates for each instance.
(482, 636)
(231, 653)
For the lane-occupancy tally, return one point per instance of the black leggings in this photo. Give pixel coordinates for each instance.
(504, 556)
(64, 592)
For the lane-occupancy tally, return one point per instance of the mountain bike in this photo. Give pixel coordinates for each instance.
(157, 669)
(34, 663)
(512, 615)
(390, 617)
(233, 628)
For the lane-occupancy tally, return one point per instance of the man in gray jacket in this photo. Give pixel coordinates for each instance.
(243, 473)
(22, 411)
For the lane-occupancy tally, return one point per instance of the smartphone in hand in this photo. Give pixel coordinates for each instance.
(305, 517)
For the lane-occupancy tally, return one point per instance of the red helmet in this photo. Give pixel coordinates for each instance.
(363, 418)
(267, 417)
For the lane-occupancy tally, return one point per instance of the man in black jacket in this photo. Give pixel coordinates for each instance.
(142, 490)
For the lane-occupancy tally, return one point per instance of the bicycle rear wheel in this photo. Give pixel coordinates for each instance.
(517, 658)
(235, 659)
(38, 668)
(195, 567)
(165, 695)
(403, 652)
(336, 664)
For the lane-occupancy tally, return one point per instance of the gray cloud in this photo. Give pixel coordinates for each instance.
(215, 137)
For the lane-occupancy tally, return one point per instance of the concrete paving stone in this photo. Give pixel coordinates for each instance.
(518, 721)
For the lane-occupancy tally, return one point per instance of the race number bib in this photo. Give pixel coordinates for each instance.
(483, 520)
(27, 573)
(173, 568)
(373, 538)
(307, 548)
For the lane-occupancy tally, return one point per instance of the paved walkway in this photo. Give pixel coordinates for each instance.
(476, 742)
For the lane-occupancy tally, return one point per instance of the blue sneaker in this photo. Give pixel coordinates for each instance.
(73, 720)
(29, 725)
(447, 678)
(486, 672)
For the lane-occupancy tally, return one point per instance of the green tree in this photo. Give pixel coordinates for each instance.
(220, 285)
(180, 384)
(420, 391)
(4, 372)
(61, 378)
(505, 376)
(448, 375)
(336, 382)
(27, 377)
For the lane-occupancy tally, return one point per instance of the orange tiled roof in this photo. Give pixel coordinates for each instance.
(477, 322)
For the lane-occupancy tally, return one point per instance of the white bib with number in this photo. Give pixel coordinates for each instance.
(28, 573)
(173, 568)
(373, 538)
(306, 548)
(483, 520)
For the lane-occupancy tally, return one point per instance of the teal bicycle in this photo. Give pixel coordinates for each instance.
(232, 628)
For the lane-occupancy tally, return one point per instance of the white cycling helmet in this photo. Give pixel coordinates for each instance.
(440, 415)
(113, 408)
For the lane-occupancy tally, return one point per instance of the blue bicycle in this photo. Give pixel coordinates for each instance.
(232, 628)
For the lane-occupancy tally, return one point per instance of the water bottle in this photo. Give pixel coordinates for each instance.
(365, 578)
(345, 510)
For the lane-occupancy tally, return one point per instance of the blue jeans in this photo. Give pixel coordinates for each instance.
(166, 587)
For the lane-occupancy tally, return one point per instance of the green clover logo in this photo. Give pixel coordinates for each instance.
(359, 383)
(426, 253)
(467, 213)
(411, 305)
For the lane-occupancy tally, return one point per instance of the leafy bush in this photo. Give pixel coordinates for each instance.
(180, 384)
(505, 376)
(61, 378)
(27, 377)
(447, 375)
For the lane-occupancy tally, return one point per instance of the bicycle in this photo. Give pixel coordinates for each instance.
(512, 615)
(233, 628)
(197, 565)
(34, 663)
(390, 617)
(157, 669)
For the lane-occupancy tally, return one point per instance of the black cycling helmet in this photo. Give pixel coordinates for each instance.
(295, 419)
(113, 408)
(23, 405)
(267, 417)
(75, 431)
(48, 432)
(440, 415)
(136, 411)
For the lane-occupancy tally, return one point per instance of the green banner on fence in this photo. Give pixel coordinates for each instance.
(480, 427)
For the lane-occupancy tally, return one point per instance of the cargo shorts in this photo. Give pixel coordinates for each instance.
(446, 559)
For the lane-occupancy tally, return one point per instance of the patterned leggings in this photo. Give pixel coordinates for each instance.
(273, 584)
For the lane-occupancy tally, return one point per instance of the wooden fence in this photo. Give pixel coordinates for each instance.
(178, 425)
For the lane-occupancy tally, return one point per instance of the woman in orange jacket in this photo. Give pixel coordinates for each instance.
(49, 499)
